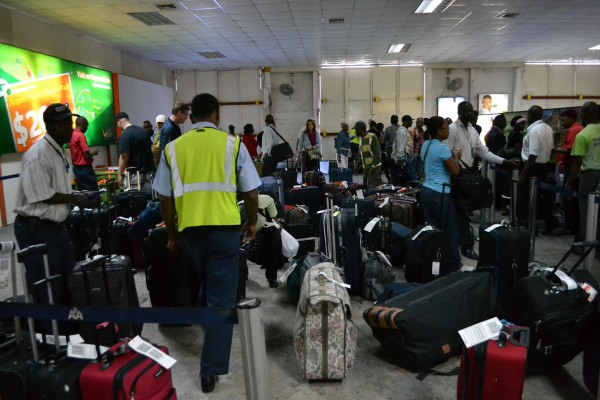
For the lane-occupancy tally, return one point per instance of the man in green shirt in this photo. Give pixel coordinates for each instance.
(586, 160)
(371, 156)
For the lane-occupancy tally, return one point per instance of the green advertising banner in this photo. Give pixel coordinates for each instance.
(31, 81)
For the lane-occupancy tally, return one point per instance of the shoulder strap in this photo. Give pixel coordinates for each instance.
(422, 177)
(281, 137)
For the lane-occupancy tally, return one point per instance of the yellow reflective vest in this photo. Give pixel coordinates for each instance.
(353, 137)
(204, 178)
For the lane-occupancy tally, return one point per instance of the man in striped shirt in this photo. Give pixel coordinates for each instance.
(44, 199)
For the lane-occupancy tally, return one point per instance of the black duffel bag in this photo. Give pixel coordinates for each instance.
(471, 190)
(281, 151)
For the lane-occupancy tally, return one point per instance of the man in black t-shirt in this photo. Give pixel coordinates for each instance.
(135, 151)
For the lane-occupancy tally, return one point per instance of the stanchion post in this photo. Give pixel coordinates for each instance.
(484, 211)
(591, 226)
(532, 223)
(491, 174)
(514, 196)
(254, 350)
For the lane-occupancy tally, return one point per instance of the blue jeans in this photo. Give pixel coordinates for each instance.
(215, 253)
(61, 255)
(443, 216)
(416, 168)
(85, 177)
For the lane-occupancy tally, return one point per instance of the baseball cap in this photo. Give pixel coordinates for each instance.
(161, 118)
(121, 115)
(58, 112)
(407, 118)
(360, 124)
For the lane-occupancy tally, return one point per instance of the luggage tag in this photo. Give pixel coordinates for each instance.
(435, 268)
(141, 346)
(589, 289)
(385, 201)
(84, 351)
(492, 227)
(369, 227)
(481, 332)
(424, 229)
(322, 275)
(287, 273)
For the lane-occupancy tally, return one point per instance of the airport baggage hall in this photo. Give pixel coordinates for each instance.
(299, 199)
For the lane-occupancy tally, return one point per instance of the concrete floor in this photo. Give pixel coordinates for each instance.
(371, 377)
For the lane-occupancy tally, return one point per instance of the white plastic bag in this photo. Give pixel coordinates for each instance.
(289, 244)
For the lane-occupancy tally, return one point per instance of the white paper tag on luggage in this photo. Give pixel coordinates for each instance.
(287, 273)
(424, 229)
(435, 268)
(141, 346)
(492, 227)
(589, 290)
(341, 284)
(385, 201)
(369, 227)
(571, 284)
(84, 350)
(481, 332)
(321, 211)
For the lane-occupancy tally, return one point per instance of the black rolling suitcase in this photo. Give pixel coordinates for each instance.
(364, 209)
(419, 329)
(90, 226)
(57, 376)
(105, 281)
(504, 250)
(170, 277)
(553, 304)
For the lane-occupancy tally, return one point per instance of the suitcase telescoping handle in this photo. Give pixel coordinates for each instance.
(587, 245)
(515, 335)
(21, 257)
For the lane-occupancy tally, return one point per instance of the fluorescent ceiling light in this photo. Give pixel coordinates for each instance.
(427, 6)
(562, 63)
(399, 48)
(597, 47)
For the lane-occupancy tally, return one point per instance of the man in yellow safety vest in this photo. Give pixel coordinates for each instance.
(198, 178)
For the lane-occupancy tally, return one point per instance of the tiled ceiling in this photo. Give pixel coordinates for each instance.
(297, 33)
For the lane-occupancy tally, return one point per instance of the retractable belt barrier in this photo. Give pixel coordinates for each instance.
(2, 178)
(136, 315)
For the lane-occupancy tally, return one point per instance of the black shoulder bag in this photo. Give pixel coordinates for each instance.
(474, 192)
(281, 151)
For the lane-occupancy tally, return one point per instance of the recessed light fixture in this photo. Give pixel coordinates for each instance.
(428, 6)
(597, 47)
(399, 48)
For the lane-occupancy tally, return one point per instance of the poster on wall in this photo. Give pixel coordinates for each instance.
(30, 81)
(490, 105)
(448, 106)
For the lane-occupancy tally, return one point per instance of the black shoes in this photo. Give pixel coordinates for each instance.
(208, 383)
(469, 253)
(273, 284)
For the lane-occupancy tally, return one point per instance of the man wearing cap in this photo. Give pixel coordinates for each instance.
(371, 156)
(160, 121)
(463, 137)
(170, 130)
(44, 199)
(402, 150)
(568, 120)
(82, 157)
(135, 151)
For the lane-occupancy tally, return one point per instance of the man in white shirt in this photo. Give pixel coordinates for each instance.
(464, 138)
(402, 152)
(537, 148)
(269, 139)
(44, 199)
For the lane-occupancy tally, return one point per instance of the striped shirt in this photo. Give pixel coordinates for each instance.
(45, 171)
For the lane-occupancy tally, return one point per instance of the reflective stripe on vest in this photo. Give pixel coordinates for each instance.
(179, 188)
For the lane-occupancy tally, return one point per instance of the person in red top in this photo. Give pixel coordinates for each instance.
(568, 120)
(250, 141)
(82, 157)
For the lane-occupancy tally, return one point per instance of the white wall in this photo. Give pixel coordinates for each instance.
(143, 100)
(27, 32)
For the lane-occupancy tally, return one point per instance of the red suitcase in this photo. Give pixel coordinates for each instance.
(123, 374)
(495, 369)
